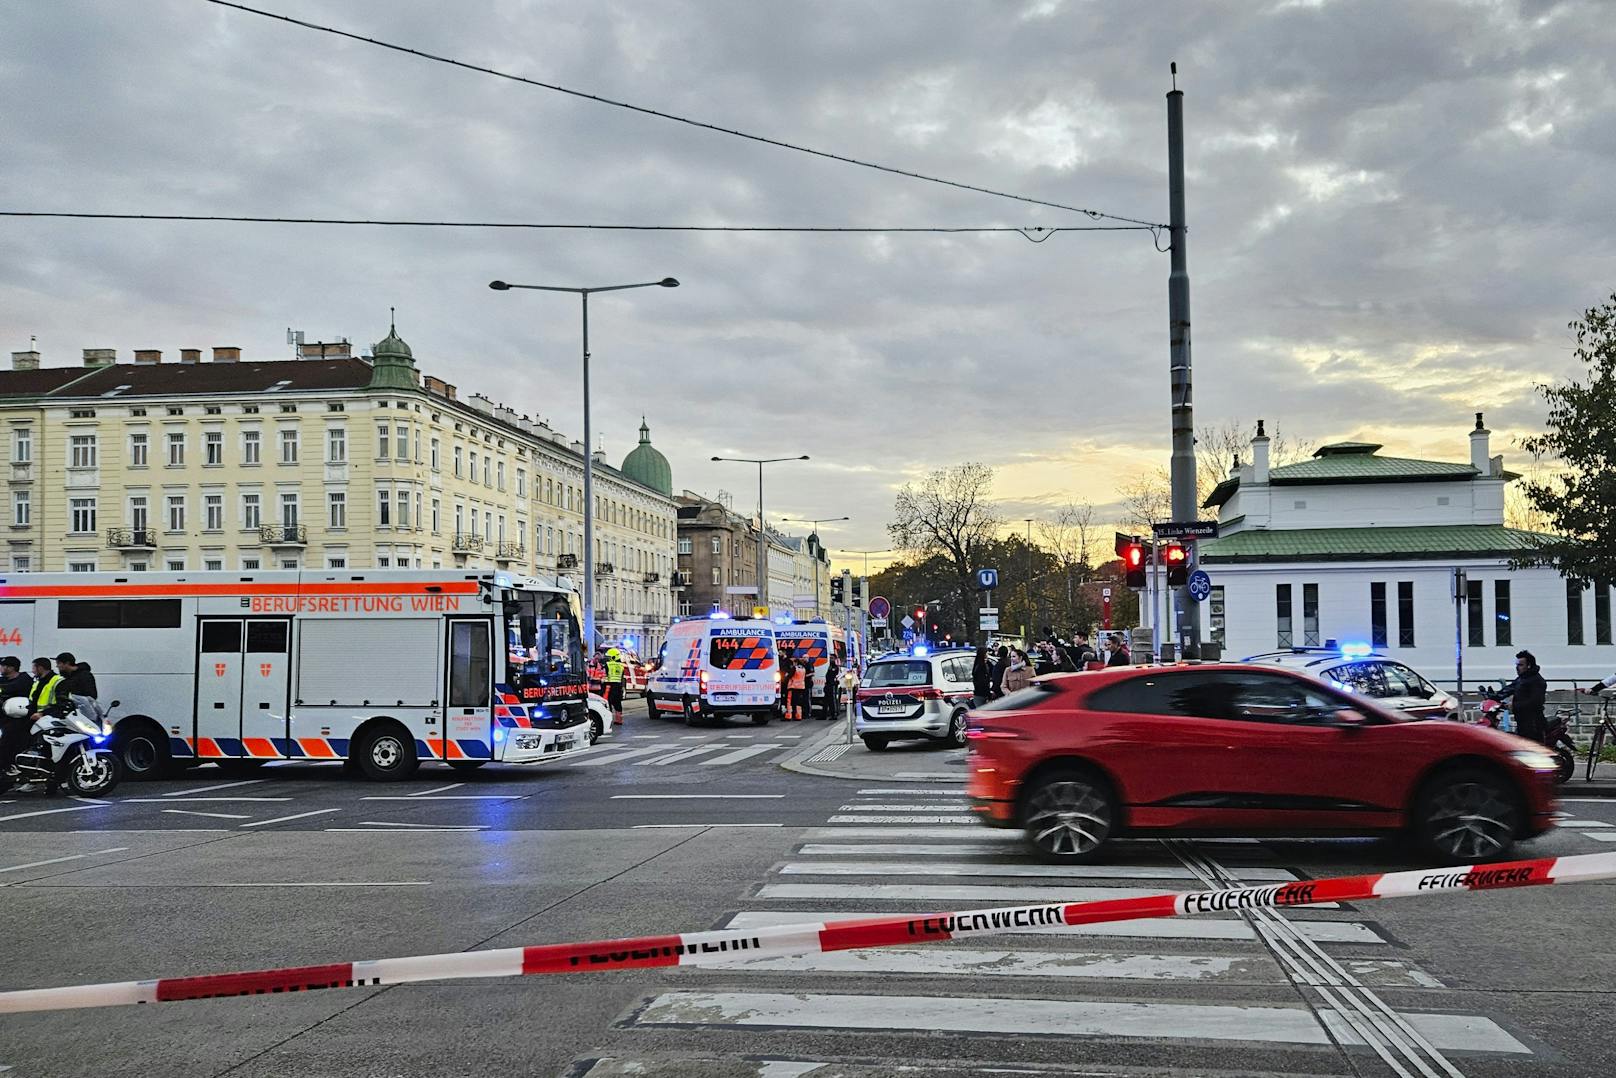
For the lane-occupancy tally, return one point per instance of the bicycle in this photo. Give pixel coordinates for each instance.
(1605, 729)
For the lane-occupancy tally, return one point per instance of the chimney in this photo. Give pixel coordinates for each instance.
(449, 391)
(600, 456)
(577, 447)
(324, 350)
(190, 355)
(1259, 455)
(1478, 447)
(100, 357)
(148, 356)
(25, 361)
(436, 386)
(226, 354)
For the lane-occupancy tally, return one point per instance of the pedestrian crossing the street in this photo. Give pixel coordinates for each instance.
(1320, 990)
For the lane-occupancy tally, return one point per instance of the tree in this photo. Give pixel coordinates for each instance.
(1072, 537)
(1219, 445)
(1580, 441)
(948, 515)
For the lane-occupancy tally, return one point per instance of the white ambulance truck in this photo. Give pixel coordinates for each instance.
(716, 666)
(383, 669)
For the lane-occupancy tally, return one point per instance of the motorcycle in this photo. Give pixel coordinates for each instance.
(70, 749)
(1556, 733)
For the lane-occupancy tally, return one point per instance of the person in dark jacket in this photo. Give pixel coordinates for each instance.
(14, 684)
(1000, 668)
(1118, 653)
(1079, 651)
(1526, 695)
(981, 677)
(77, 680)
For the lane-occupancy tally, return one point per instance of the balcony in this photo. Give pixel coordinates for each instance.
(605, 568)
(284, 534)
(468, 544)
(566, 561)
(681, 580)
(653, 578)
(510, 552)
(131, 538)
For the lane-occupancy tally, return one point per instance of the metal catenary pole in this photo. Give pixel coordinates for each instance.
(1178, 302)
(589, 502)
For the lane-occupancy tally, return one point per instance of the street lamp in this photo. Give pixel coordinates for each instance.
(816, 522)
(589, 455)
(763, 561)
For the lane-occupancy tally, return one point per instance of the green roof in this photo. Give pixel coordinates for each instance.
(1369, 544)
(1354, 462)
(646, 465)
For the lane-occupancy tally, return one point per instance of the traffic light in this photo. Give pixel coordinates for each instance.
(837, 594)
(1133, 564)
(1177, 560)
(858, 593)
(920, 615)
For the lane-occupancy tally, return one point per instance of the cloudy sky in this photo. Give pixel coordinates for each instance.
(1395, 208)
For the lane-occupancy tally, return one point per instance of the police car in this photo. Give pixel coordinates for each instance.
(916, 695)
(1358, 669)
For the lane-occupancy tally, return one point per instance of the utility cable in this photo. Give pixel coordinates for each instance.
(644, 110)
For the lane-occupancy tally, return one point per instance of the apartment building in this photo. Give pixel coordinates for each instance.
(327, 460)
(717, 563)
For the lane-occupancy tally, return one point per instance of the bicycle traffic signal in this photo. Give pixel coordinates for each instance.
(1177, 560)
(1133, 564)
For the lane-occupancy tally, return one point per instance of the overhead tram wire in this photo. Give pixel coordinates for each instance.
(1034, 233)
(659, 114)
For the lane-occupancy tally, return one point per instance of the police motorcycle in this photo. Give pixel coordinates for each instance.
(1556, 732)
(70, 749)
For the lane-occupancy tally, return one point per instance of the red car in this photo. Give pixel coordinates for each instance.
(1079, 759)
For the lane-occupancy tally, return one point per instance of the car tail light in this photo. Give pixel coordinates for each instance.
(978, 733)
(704, 678)
(928, 694)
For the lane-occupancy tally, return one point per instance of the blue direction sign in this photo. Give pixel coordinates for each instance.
(1200, 586)
(987, 579)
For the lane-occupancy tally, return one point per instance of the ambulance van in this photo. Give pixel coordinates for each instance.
(716, 667)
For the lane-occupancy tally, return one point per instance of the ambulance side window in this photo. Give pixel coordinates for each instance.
(468, 664)
(221, 637)
(266, 637)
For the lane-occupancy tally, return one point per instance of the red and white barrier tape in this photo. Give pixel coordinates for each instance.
(728, 945)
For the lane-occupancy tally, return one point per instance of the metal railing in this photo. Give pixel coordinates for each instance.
(283, 534)
(131, 538)
(605, 568)
(510, 552)
(468, 544)
(653, 577)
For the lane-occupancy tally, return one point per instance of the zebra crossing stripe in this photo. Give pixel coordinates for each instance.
(1053, 872)
(712, 947)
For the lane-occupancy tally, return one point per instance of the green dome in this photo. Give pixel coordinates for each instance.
(648, 467)
(392, 362)
(392, 345)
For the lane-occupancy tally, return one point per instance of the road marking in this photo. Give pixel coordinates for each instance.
(922, 892)
(221, 786)
(908, 791)
(90, 800)
(1090, 872)
(696, 797)
(741, 736)
(737, 755)
(1587, 801)
(682, 754)
(48, 812)
(959, 962)
(320, 883)
(1579, 824)
(404, 831)
(644, 737)
(443, 797)
(901, 849)
(929, 777)
(170, 799)
(904, 808)
(907, 819)
(1602, 836)
(154, 831)
(59, 860)
(283, 819)
(615, 756)
(788, 737)
(658, 826)
(430, 826)
(1186, 928)
(691, 737)
(983, 834)
(1069, 1018)
(439, 789)
(215, 815)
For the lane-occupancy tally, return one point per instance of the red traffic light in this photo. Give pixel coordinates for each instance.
(1133, 565)
(920, 613)
(1177, 560)
(1135, 555)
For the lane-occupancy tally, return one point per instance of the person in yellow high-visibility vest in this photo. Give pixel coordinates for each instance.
(614, 684)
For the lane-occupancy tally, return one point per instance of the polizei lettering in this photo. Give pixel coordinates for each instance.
(672, 950)
(1286, 894)
(1476, 878)
(955, 924)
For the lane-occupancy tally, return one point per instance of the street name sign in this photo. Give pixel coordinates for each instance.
(1186, 529)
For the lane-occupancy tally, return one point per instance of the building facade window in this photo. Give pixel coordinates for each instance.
(434, 454)
(486, 483)
(1218, 622)
(1310, 615)
(499, 476)
(252, 447)
(458, 470)
(1573, 613)
(336, 510)
(401, 444)
(718, 545)
(139, 450)
(252, 511)
(437, 516)
(1284, 637)
(1405, 613)
(213, 565)
(213, 512)
(213, 448)
(384, 509)
(22, 445)
(1475, 621)
(82, 516)
(289, 509)
(139, 519)
(176, 449)
(288, 445)
(1377, 615)
(684, 546)
(175, 565)
(176, 512)
(336, 445)
(403, 509)
(1501, 627)
(383, 440)
(336, 563)
(250, 564)
(1601, 613)
(718, 575)
(521, 482)
(21, 508)
(81, 566)
(81, 451)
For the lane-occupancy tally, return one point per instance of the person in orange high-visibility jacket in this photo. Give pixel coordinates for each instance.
(797, 692)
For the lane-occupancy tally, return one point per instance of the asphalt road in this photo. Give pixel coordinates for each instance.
(302, 865)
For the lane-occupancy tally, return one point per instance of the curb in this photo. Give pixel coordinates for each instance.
(1603, 790)
(798, 761)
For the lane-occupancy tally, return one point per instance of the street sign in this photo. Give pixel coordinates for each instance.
(987, 579)
(1200, 586)
(989, 610)
(1186, 529)
(908, 634)
(989, 622)
(878, 623)
(908, 622)
(1105, 593)
(880, 608)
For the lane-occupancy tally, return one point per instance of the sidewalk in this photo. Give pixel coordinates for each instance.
(831, 756)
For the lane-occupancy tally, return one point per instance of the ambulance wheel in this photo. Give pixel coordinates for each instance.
(688, 713)
(761, 718)
(650, 707)
(597, 729)
(386, 753)
(142, 748)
